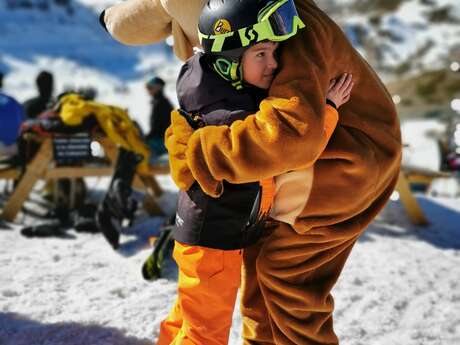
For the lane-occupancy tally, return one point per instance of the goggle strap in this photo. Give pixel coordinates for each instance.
(258, 32)
(230, 71)
(219, 68)
(234, 71)
(237, 85)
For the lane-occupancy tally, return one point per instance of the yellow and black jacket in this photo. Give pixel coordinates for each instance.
(202, 220)
(222, 222)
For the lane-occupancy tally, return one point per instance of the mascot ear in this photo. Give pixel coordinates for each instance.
(183, 48)
(137, 22)
(142, 22)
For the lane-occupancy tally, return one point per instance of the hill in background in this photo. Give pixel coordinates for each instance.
(411, 43)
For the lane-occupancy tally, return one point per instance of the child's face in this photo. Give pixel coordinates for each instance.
(259, 64)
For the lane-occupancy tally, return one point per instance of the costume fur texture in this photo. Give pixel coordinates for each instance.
(288, 277)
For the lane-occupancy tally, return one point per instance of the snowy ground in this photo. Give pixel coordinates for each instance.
(400, 286)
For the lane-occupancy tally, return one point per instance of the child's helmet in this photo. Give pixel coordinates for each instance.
(227, 28)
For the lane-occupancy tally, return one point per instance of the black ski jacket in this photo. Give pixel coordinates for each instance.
(201, 220)
(35, 106)
(160, 117)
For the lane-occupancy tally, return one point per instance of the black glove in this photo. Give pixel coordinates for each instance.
(195, 121)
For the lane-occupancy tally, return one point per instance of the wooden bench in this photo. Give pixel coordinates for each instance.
(42, 166)
(412, 174)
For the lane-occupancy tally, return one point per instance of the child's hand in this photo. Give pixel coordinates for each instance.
(339, 90)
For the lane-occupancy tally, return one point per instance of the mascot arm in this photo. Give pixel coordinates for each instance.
(176, 138)
(269, 143)
(138, 22)
(287, 133)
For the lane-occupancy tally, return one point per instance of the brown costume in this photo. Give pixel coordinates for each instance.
(324, 200)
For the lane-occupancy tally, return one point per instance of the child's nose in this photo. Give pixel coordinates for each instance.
(272, 63)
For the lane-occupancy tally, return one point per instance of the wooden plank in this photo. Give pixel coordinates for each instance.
(409, 202)
(38, 168)
(10, 174)
(110, 149)
(415, 170)
(420, 179)
(162, 169)
(34, 171)
(74, 172)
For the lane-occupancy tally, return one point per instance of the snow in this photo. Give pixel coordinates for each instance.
(406, 35)
(80, 54)
(399, 286)
(421, 147)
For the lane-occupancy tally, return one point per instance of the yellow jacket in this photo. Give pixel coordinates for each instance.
(114, 121)
(343, 186)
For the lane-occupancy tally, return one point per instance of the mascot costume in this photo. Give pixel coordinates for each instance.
(324, 199)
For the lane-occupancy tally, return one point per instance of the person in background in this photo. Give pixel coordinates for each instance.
(1, 80)
(35, 106)
(160, 116)
(11, 117)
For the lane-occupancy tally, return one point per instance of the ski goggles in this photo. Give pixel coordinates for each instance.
(278, 21)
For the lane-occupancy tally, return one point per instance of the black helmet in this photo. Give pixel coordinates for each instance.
(227, 28)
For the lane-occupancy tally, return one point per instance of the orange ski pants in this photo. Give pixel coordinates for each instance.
(207, 287)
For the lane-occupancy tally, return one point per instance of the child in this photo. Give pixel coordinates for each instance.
(224, 85)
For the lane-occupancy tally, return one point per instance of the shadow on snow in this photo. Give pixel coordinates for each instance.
(16, 329)
(443, 230)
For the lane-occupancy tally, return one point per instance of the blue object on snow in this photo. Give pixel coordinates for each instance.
(11, 117)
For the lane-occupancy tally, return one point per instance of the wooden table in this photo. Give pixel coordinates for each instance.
(42, 166)
(412, 174)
